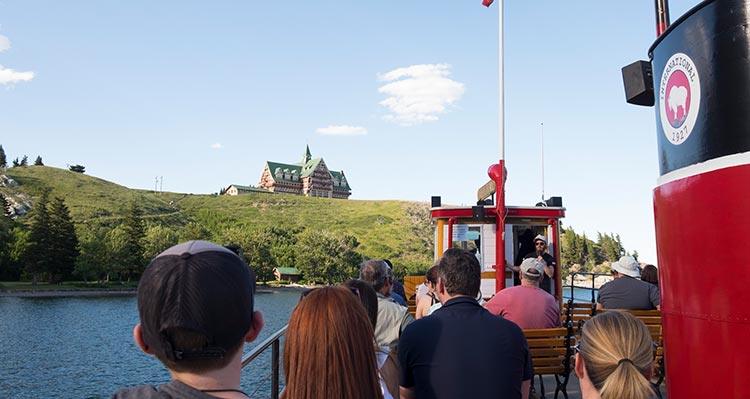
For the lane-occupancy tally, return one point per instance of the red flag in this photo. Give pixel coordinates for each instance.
(487, 3)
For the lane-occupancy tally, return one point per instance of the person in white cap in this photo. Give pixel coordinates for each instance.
(527, 305)
(626, 291)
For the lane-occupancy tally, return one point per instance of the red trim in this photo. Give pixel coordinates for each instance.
(558, 282)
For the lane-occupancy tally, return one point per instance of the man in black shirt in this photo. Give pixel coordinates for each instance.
(540, 252)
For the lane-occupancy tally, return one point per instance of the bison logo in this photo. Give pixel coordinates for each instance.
(679, 98)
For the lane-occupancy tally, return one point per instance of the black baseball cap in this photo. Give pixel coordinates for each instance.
(200, 287)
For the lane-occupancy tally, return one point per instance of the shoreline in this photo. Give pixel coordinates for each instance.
(103, 292)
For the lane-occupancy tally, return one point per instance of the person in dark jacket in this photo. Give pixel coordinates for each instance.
(195, 302)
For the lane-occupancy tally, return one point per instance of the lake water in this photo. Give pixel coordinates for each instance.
(83, 347)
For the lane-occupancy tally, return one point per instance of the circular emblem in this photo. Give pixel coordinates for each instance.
(679, 98)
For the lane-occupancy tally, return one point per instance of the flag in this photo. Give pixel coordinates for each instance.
(487, 3)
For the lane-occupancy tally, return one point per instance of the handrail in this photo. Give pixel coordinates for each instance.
(593, 288)
(274, 342)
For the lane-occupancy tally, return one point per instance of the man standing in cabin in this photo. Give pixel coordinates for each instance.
(527, 305)
(392, 317)
(625, 291)
(540, 253)
(462, 350)
(195, 302)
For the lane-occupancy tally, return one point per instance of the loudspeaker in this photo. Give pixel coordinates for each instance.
(435, 201)
(477, 212)
(554, 201)
(639, 84)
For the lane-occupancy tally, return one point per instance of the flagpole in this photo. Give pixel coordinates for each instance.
(498, 172)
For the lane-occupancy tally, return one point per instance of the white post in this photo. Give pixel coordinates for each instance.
(501, 85)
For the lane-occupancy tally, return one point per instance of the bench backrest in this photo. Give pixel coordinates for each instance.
(551, 350)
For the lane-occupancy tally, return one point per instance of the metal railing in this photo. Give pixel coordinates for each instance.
(274, 341)
(592, 288)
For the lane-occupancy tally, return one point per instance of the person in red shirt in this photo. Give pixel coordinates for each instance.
(527, 305)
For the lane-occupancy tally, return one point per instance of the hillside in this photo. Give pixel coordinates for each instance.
(398, 230)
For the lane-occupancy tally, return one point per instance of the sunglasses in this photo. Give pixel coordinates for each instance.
(538, 243)
(307, 292)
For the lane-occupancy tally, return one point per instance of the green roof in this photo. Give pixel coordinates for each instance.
(272, 166)
(287, 270)
(339, 175)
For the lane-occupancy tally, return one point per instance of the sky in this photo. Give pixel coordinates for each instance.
(401, 95)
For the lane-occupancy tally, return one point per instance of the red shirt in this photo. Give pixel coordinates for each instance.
(527, 306)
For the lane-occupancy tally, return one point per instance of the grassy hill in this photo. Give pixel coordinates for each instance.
(398, 230)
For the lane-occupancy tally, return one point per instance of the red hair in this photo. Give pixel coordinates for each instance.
(329, 350)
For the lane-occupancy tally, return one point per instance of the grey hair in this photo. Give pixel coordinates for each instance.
(374, 272)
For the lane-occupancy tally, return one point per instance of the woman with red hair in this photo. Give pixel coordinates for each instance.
(329, 351)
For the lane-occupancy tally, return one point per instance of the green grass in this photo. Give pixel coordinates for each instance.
(398, 230)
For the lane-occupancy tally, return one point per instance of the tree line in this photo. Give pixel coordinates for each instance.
(580, 253)
(53, 249)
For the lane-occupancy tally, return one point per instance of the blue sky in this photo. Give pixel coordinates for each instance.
(402, 95)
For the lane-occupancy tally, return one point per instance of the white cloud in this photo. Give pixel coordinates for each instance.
(343, 130)
(217, 146)
(4, 43)
(419, 93)
(8, 75)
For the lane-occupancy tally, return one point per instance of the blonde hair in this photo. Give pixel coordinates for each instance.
(617, 351)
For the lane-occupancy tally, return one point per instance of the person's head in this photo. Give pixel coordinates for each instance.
(540, 243)
(650, 274)
(532, 271)
(431, 277)
(195, 302)
(329, 350)
(626, 266)
(368, 297)
(459, 273)
(377, 273)
(616, 356)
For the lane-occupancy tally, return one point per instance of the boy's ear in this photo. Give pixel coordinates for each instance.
(255, 327)
(138, 338)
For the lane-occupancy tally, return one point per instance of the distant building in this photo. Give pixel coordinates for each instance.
(236, 189)
(290, 274)
(310, 178)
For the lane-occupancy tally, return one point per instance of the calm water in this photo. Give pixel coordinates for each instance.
(83, 347)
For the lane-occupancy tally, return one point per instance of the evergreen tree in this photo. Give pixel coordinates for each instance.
(24, 161)
(38, 161)
(64, 242)
(135, 230)
(77, 168)
(3, 159)
(16, 163)
(38, 251)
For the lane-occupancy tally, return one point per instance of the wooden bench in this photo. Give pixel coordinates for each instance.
(412, 305)
(576, 313)
(551, 354)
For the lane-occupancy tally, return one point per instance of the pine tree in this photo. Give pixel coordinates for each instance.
(77, 168)
(64, 242)
(135, 229)
(38, 252)
(25, 161)
(3, 159)
(38, 161)
(15, 162)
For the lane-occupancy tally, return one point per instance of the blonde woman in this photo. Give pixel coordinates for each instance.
(615, 358)
(429, 302)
